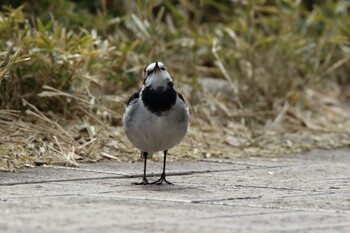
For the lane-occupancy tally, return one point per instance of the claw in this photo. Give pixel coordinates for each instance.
(143, 182)
(161, 180)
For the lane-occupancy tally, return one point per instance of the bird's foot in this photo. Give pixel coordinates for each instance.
(161, 180)
(143, 182)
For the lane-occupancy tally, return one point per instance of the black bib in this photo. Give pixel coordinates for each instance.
(160, 99)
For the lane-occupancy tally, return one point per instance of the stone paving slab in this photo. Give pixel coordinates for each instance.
(113, 170)
(302, 193)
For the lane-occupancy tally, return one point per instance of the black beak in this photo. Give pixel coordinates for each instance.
(156, 67)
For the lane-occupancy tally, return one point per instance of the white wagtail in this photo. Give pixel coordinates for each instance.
(156, 117)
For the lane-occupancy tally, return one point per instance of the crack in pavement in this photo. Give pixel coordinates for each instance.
(185, 173)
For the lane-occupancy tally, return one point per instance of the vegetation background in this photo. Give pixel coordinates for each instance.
(262, 77)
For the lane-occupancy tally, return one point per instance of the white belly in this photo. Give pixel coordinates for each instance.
(151, 133)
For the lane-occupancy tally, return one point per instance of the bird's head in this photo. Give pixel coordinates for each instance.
(156, 75)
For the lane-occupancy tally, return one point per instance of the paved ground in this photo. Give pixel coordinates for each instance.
(303, 193)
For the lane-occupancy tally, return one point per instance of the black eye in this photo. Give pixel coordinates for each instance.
(162, 68)
(149, 72)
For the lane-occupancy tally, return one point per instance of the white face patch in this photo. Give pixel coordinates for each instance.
(151, 66)
(156, 78)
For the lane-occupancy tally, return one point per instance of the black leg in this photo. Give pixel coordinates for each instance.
(144, 179)
(162, 177)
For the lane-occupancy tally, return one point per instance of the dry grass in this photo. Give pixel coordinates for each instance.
(64, 79)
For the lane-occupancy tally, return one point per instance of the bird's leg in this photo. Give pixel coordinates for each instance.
(144, 179)
(162, 177)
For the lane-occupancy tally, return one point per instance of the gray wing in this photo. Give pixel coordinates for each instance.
(181, 97)
(134, 96)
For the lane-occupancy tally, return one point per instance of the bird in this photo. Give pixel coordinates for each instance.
(156, 117)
